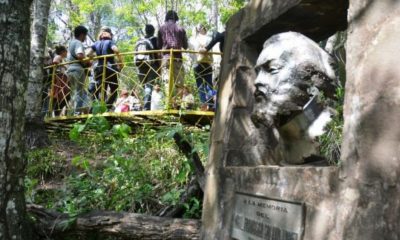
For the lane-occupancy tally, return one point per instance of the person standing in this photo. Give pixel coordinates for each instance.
(203, 67)
(107, 66)
(76, 70)
(172, 36)
(60, 89)
(148, 64)
(157, 98)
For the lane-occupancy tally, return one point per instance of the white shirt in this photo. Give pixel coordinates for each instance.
(157, 100)
(198, 42)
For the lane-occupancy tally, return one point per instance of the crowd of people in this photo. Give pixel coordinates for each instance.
(153, 66)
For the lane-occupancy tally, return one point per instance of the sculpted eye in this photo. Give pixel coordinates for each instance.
(274, 69)
(271, 68)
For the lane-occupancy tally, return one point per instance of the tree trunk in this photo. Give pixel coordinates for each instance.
(36, 135)
(214, 14)
(14, 62)
(111, 224)
(95, 20)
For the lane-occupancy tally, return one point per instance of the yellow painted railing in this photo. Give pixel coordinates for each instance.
(172, 83)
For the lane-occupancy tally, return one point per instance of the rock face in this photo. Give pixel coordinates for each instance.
(371, 149)
(241, 155)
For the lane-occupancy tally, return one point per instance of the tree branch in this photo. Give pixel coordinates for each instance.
(192, 156)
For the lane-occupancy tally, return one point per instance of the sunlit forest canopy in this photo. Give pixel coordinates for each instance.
(127, 17)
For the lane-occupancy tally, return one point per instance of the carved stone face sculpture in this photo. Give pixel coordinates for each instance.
(291, 70)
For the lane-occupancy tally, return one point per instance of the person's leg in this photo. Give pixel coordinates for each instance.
(142, 71)
(98, 76)
(64, 94)
(165, 78)
(56, 107)
(82, 101)
(112, 83)
(144, 77)
(60, 105)
(208, 85)
(198, 73)
(148, 89)
(179, 80)
(179, 73)
(73, 76)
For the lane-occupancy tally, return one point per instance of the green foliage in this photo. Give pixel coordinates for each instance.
(172, 197)
(121, 130)
(44, 164)
(193, 208)
(229, 10)
(77, 129)
(138, 171)
(99, 107)
(96, 123)
(118, 171)
(127, 17)
(30, 188)
(331, 141)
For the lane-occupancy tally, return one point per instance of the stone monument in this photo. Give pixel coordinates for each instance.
(245, 183)
(248, 194)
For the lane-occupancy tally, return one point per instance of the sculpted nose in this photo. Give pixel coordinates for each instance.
(258, 82)
(258, 86)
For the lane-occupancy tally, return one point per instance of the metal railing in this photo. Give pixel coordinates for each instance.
(159, 80)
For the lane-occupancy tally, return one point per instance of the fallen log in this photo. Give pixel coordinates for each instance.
(121, 225)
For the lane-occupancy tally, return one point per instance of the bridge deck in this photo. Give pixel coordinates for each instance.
(139, 118)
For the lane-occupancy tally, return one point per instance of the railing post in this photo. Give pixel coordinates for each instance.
(51, 100)
(103, 82)
(170, 80)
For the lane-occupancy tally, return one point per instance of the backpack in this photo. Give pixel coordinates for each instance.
(141, 46)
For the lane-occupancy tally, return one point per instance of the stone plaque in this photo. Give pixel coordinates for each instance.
(260, 218)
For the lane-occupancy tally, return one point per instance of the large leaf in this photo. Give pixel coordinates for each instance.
(76, 131)
(121, 130)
